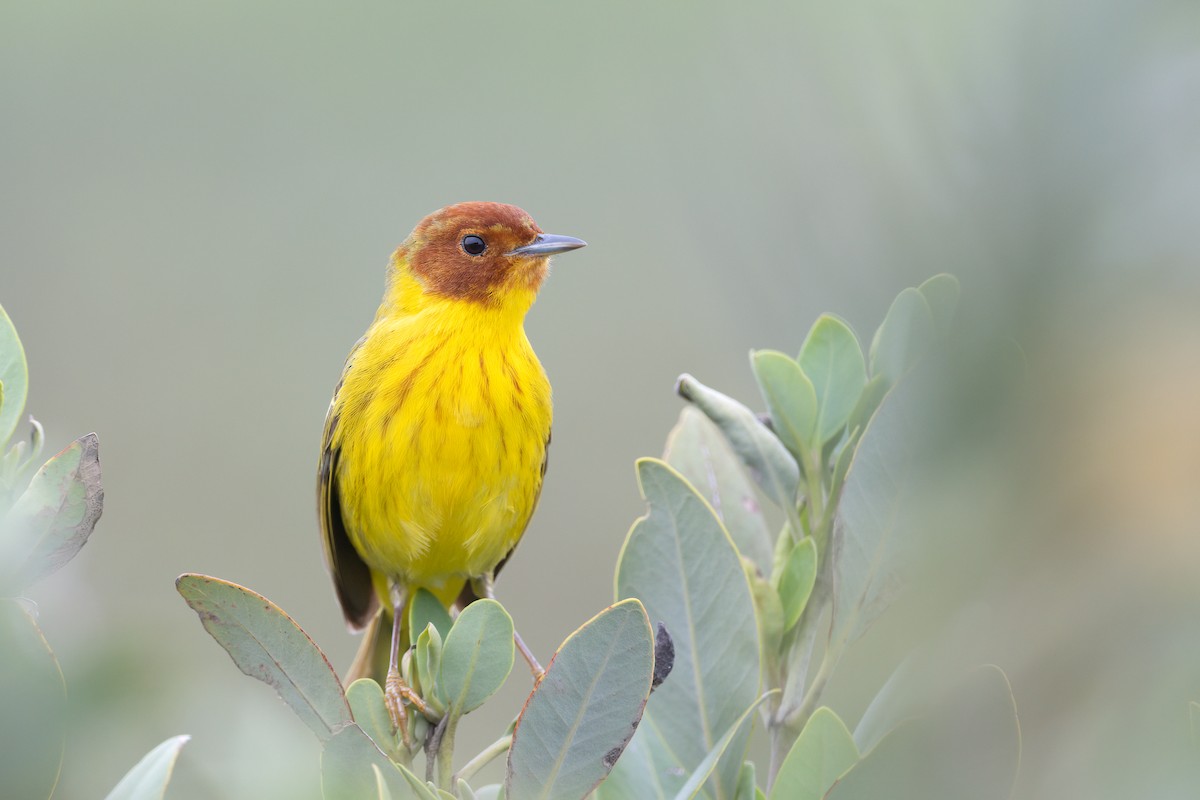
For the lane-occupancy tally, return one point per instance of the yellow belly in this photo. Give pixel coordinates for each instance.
(442, 437)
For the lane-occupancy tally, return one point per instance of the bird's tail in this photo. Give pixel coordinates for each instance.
(373, 654)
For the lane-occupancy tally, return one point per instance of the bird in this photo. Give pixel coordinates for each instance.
(435, 443)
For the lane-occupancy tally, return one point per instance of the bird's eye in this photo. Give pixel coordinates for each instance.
(474, 245)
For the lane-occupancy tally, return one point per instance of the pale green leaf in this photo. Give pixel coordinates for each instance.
(739, 730)
(968, 746)
(14, 376)
(833, 360)
(464, 791)
(53, 519)
(790, 398)
(797, 580)
(149, 777)
(681, 563)
(266, 644)
(821, 755)
(841, 464)
(873, 522)
(904, 337)
(476, 657)
(868, 402)
(428, 661)
(908, 688)
(351, 767)
(747, 782)
(493, 791)
(769, 610)
(771, 465)
(424, 609)
(33, 725)
(421, 790)
(941, 293)
(365, 697)
(382, 791)
(582, 713)
(643, 771)
(699, 451)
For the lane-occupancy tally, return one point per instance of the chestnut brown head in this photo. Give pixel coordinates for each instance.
(481, 252)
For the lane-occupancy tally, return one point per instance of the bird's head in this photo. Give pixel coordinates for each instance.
(488, 253)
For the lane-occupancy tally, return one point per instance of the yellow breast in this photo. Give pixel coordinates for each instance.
(443, 421)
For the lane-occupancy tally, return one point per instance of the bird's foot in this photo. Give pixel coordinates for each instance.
(393, 698)
(396, 695)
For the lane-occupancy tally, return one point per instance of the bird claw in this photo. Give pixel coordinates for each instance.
(393, 698)
(396, 695)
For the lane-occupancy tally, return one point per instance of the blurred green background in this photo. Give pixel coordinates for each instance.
(199, 200)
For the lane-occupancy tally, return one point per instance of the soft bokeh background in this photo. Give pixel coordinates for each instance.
(198, 200)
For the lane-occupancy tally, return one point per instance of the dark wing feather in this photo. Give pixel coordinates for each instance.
(351, 576)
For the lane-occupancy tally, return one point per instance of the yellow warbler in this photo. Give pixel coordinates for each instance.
(435, 441)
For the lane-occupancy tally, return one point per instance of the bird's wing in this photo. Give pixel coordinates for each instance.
(351, 576)
(537, 496)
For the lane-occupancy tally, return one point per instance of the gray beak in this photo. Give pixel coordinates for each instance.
(547, 244)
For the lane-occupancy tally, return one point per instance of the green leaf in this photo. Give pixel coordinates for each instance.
(53, 519)
(739, 730)
(821, 755)
(381, 788)
(769, 610)
(422, 790)
(14, 377)
(904, 337)
(970, 746)
(493, 791)
(266, 644)
(365, 698)
(428, 662)
(771, 465)
(33, 724)
(584, 710)
(464, 791)
(747, 782)
(841, 465)
(873, 521)
(868, 402)
(477, 656)
(351, 767)
(424, 609)
(941, 293)
(833, 360)
(797, 580)
(909, 687)
(638, 773)
(790, 397)
(681, 563)
(149, 777)
(698, 450)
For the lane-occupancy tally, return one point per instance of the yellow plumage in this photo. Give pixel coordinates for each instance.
(445, 411)
(435, 442)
